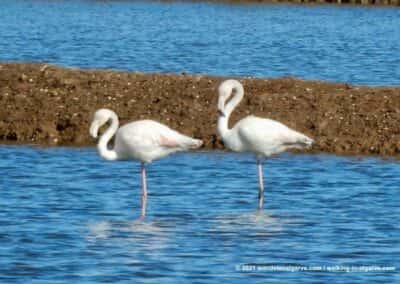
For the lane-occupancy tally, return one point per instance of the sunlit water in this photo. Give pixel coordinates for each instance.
(66, 216)
(348, 44)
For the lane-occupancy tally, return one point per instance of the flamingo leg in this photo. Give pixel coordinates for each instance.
(144, 192)
(261, 184)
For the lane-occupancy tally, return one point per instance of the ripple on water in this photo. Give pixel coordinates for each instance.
(354, 44)
(61, 225)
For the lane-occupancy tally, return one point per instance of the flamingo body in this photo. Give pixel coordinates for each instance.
(143, 140)
(264, 137)
(261, 136)
(147, 140)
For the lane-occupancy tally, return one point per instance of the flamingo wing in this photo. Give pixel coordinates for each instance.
(147, 140)
(267, 136)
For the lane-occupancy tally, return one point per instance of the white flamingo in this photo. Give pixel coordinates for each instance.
(262, 136)
(143, 140)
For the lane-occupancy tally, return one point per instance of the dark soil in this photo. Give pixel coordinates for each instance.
(49, 105)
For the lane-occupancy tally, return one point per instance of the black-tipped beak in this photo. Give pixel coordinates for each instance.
(221, 113)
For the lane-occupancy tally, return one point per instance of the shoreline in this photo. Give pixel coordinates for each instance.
(310, 152)
(48, 105)
(339, 3)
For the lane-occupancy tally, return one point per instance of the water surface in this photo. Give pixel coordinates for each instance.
(347, 44)
(66, 216)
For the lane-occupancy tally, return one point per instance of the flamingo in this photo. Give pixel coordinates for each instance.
(143, 140)
(262, 136)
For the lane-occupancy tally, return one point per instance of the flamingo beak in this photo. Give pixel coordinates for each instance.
(221, 112)
(221, 105)
(94, 129)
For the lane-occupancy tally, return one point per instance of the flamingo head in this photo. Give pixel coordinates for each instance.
(100, 118)
(227, 91)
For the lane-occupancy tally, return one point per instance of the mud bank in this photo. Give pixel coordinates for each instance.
(49, 105)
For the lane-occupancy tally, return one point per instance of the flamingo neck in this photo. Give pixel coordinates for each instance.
(222, 126)
(105, 153)
(223, 120)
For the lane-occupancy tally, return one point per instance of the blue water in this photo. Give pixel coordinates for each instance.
(66, 216)
(348, 44)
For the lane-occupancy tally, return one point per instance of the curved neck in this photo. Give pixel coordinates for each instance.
(106, 137)
(222, 126)
(223, 120)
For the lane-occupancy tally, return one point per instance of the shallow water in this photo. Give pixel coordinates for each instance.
(347, 44)
(66, 216)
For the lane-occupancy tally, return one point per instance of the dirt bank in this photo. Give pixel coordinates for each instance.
(50, 105)
(297, 2)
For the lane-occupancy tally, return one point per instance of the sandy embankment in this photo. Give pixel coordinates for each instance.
(50, 105)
